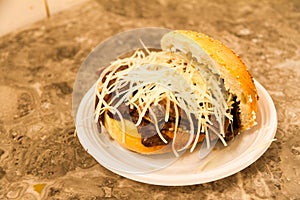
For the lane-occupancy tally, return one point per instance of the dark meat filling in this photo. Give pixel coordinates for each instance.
(149, 136)
(233, 128)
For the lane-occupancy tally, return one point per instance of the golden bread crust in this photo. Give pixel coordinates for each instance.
(131, 142)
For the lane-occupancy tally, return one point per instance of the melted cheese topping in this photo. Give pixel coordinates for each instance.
(173, 76)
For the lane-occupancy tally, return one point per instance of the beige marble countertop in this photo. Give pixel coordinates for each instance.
(41, 159)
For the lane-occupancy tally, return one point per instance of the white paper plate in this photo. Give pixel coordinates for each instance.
(188, 169)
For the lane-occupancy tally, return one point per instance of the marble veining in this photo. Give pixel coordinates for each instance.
(40, 158)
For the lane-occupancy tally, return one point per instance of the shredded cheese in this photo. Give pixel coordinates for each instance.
(173, 76)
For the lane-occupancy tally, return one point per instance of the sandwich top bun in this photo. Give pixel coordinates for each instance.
(223, 65)
(230, 67)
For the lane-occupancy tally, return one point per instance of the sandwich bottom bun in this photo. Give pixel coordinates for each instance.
(132, 139)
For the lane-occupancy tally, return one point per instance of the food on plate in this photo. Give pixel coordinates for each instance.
(153, 101)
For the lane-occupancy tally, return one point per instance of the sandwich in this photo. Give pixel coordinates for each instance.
(194, 88)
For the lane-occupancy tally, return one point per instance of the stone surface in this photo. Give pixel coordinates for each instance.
(41, 159)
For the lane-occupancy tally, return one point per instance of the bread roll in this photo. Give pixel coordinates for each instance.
(155, 102)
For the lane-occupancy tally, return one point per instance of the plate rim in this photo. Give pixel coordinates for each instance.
(157, 177)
